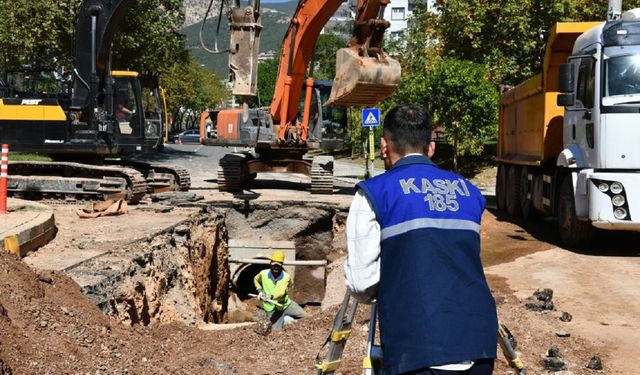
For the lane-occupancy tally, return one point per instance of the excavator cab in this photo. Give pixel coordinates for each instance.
(327, 125)
(153, 103)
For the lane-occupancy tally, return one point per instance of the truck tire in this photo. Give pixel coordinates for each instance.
(514, 191)
(526, 205)
(501, 186)
(573, 232)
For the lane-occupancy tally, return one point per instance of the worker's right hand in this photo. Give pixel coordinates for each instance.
(261, 295)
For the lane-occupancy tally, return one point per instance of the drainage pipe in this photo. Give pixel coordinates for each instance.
(322, 263)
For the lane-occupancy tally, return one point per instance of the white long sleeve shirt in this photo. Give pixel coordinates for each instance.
(362, 267)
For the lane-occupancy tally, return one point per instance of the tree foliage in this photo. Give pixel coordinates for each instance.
(325, 56)
(149, 37)
(464, 103)
(41, 33)
(191, 86)
(267, 74)
(36, 32)
(507, 36)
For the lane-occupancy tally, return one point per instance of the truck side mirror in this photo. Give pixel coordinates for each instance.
(566, 78)
(566, 99)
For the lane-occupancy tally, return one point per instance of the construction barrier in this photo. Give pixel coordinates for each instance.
(4, 168)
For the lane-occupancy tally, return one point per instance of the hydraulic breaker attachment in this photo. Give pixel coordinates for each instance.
(363, 81)
(244, 43)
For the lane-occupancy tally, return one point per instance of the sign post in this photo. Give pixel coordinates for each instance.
(371, 119)
(4, 169)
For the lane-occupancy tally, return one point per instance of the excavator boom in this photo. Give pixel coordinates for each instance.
(365, 75)
(96, 24)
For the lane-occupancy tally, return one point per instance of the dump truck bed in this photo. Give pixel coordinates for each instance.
(530, 128)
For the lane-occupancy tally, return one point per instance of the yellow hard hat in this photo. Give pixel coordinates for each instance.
(277, 257)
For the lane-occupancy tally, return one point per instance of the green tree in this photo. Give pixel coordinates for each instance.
(464, 103)
(325, 56)
(191, 87)
(41, 33)
(507, 36)
(267, 74)
(36, 32)
(149, 38)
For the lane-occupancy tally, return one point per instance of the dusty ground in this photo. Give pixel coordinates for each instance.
(48, 326)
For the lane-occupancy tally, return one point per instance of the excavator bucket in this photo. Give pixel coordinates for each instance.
(362, 81)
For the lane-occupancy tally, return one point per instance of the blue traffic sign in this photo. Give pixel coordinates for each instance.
(370, 117)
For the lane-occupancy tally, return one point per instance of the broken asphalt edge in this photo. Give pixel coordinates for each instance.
(32, 234)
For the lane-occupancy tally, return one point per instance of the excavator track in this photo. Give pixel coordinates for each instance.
(322, 175)
(75, 181)
(232, 172)
(160, 177)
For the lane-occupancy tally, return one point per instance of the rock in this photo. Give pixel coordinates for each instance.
(174, 197)
(566, 317)
(181, 230)
(263, 324)
(563, 334)
(541, 300)
(540, 306)
(45, 279)
(553, 364)
(3, 311)
(44, 323)
(554, 351)
(595, 363)
(163, 209)
(545, 294)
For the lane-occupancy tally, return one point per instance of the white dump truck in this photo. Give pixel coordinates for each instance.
(569, 138)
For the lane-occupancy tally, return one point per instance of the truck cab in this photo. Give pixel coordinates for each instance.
(600, 85)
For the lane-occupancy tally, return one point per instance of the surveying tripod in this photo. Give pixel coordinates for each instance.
(372, 363)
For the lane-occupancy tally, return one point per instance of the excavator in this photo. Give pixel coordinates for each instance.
(106, 114)
(282, 134)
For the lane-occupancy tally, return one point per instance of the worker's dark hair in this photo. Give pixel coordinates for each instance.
(408, 127)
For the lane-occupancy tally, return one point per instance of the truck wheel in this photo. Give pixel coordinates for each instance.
(573, 232)
(514, 191)
(501, 186)
(526, 204)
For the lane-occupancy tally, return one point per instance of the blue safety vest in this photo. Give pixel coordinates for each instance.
(434, 303)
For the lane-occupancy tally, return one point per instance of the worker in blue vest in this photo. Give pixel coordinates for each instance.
(272, 284)
(413, 239)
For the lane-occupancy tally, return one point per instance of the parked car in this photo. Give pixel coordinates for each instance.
(188, 136)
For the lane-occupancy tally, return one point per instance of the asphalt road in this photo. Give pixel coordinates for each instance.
(202, 163)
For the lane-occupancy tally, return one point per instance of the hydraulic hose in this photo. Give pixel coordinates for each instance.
(204, 21)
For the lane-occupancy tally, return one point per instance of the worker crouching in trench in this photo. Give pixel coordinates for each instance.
(273, 292)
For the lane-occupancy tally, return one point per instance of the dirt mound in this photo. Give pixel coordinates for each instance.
(49, 326)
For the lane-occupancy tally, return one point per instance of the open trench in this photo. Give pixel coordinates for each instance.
(185, 274)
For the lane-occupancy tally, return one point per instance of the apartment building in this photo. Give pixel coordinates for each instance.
(397, 13)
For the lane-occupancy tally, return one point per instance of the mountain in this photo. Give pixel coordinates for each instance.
(275, 19)
(195, 9)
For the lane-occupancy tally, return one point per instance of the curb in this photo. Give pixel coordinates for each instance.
(32, 235)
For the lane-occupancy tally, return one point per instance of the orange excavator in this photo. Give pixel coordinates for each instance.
(283, 133)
